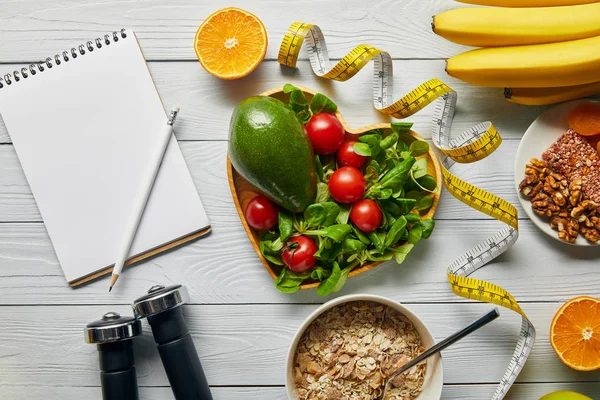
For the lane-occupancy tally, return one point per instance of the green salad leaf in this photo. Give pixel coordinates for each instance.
(298, 102)
(319, 168)
(401, 252)
(332, 210)
(335, 281)
(395, 232)
(286, 226)
(337, 232)
(418, 148)
(401, 128)
(419, 168)
(415, 234)
(389, 141)
(362, 149)
(378, 239)
(321, 103)
(314, 215)
(344, 214)
(320, 273)
(427, 225)
(322, 193)
(289, 281)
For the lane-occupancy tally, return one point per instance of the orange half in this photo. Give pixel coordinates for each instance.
(575, 333)
(231, 43)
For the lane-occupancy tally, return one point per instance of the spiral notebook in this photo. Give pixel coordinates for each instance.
(83, 124)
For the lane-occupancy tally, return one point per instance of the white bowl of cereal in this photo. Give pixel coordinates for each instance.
(348, 346)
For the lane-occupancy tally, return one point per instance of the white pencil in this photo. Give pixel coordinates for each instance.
(147, 184)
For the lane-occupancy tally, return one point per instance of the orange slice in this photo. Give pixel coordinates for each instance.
(575, 333)
(231, 43)
(584, 119)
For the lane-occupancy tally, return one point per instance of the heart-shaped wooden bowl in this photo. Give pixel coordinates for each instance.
(243, 192)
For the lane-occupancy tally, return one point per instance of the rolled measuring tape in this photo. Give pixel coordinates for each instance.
(473, 145)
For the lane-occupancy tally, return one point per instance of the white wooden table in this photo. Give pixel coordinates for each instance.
(241, 325)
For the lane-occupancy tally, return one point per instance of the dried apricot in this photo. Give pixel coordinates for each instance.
(584, 119)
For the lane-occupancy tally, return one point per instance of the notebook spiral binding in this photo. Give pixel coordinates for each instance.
(25, 72)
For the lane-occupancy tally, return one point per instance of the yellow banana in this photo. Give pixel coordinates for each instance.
(528, 3)
(541, 65)
(486, 27)
(541, 96)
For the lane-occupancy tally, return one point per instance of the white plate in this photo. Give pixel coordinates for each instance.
(544, 131)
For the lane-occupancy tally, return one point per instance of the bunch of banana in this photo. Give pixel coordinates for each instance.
(541, 51)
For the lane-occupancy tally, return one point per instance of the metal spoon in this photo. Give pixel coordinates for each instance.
(487, 318)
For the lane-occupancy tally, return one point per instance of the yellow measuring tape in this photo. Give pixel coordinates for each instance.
(472, 145)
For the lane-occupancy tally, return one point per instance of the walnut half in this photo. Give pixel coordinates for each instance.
(568, 228)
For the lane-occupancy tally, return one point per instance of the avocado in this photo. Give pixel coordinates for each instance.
(269, 148)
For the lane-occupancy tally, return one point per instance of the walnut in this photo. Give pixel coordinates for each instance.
(591, 228)
(554, 182)
(537, 167)
(558, 198)
(568, 228)
(590, 234)
(543, 205)
(538, 163)
(556, 221)
(526, 185)
(535, 173)
(532, 179)
(580, 210)
(536, 189)
(593, 222)
(572, 228)
(575, 191)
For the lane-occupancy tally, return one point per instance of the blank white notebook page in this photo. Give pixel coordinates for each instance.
(84, 131)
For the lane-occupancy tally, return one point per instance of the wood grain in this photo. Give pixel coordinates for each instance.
(255, 354)
(519, 391)
(223, 268)
(35, 29)
(207, 163)
(207, 102)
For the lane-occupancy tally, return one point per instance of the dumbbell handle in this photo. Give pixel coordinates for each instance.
(120, 385)
(179, 355)
(184, 370)
(118, 377)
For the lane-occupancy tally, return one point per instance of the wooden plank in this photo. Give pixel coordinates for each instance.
(256, 356)
(464, 392)
(35, 29)
(222, 268)
(206, 161)
(207, 102)
(146, 393)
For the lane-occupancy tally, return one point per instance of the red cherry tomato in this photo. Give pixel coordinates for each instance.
(347, 185)
(261, 214)
(366, 215)
(298, 254)
(347, 156)
(326, 133)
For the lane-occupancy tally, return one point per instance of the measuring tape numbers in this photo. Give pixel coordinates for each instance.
(471, 146)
